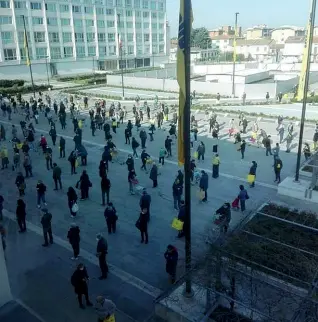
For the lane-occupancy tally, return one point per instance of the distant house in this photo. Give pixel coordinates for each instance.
(223, 43)
(256, 32)
(197, 54)
(281, 34)
(294, 49)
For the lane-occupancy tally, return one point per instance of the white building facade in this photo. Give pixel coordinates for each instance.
(76, 31)
(257, 49)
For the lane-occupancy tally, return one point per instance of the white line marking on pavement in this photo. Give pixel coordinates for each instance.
(124, 276)
(225, 175)
(31, 311)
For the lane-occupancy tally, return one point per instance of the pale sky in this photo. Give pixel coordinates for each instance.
(214, 13)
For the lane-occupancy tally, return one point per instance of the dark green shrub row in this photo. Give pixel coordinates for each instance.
(11, 82)
(23, 89)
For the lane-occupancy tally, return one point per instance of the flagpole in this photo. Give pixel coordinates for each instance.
(187, 154)
(306, 85)
(28, 54)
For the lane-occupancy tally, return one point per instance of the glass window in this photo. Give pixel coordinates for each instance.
(88, 9)
(161, 15)
(154, 26)
(19, 21)
(146, 37)
(119, 3)
(111, 37)
(146, 25)
(51, 21)
(110, 23)
(161, 26)
(21, 37)
(89, 23)
(130, 37)
(10, 54)
(109, 3)
(129, 13)
(137, 13)
(139, 37)
(145, 14)
(153, 5)
(55, 52)
(80, 51)
(147, 50)
(139, 50)
(161, 48)
(99, 11)
(102, 51)
(65, 22)
(4, 4)
(109, 12)
(67, 37)
(154, 49)
(64, 8)
(101, 23)
(131, 50)
(36, 5)
(7, 37)
(39, 36)
(138, 25)
(128, 3)
(76, 9)
(54, 37)
(41, 52)
(6, 20)
(161, 37)
(19, 5)
(90, 36)
(101, 37)
(78, 23)
(161, 7)
(121, 24)
(22, 53)
(145, 4)
(51, 7)
(137, 3)
(154, 15)
(154, 37)
(68, 51)
(91, 51)
(112, 50)
(37, 20)
(79, 37)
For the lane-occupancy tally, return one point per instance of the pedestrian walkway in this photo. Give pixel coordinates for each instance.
(15, 311)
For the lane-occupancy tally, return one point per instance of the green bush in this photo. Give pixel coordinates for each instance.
(23, 89)
(5, 83)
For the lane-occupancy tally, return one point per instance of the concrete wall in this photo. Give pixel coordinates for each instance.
(161, 73)
(216, 69)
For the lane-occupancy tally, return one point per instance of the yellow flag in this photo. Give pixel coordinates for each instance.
(306, 56)
(26, 49)
(181, 82)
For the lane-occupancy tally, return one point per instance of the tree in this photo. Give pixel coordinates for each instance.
(200, 38)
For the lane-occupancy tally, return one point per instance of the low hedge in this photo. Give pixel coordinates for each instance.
(5, 83)
(23, 89)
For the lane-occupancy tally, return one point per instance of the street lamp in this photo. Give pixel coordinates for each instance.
(47, 71)
(120, 48)
(234, 54)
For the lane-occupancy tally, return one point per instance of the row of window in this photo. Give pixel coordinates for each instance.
(40, 53)
(145, 4)
(8, 37)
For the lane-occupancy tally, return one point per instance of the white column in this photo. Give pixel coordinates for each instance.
(5, 292)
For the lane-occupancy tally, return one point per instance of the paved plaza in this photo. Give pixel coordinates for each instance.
(137, 270)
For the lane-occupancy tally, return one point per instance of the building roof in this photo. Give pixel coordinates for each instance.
(222, 37)
(261, 27)
(289, 27)
(295, 40)
(255, 42)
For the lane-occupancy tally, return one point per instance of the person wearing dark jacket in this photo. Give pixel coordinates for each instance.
(71, 199)
(144, 156)
(53, 135)
(201, 151)
(20, 183)
(73, 236)
(105, 188)
(242, 148)
(171, 256)
(142, 225)
(204, 184)
(48, 157)
(154, 175)
(102, 168)
(57, 172)
(177, 193)
(145, 202)
(143, 138)
(21, 214)
(134, 146)
(130, 163)
(242, 196)
(82, 152)
(72, 160)
(79, 281)
(41, 189)
(267, 145)
(106, 129)
(111, 218)
(77, 140)
(101, 252)
(168, 144)
(225, 216)
(181, 217)
(278, 165)
(62, 147)
(127, 135)
(46, 222)
(180, 177)
(84, 184)
(253, 172)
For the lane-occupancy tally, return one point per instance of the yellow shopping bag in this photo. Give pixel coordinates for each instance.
(250, 178)
(149, 161)
(177, 224)
(19, 145)
(195, 154)
(254, 135)
(201, 194)
(110, 319)
(80, 124)
(76, 164)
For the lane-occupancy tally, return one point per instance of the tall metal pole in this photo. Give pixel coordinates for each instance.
(120, 47)
(234, 54)
(28, 54)
(47, 71)
(187, 151)
(306, 85)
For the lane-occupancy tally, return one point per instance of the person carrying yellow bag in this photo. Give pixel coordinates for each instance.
(105, 309)
(252, 174)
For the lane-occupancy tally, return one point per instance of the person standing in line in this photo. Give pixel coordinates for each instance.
(111, 218)
(72, 199)
(242, 196)
(62, 147)
(278, 165)
(84, 183)
(79, 281)
(48, 158)
(268, 146)
(306, 151)
(253, 173)
(41, 189)
(134, 145)
(27, 164)
(204, 185)
(201, 151)
(171, 256)
(154, 175)
(73, 236)
(215, 166)
(105, 188)
(142, 225)
(144, 157)
(145, 202)
(21, 214)
(46, 222)
(57, 172)
(53, 135)
(132, 180)
(168, 145)
(101, 252)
